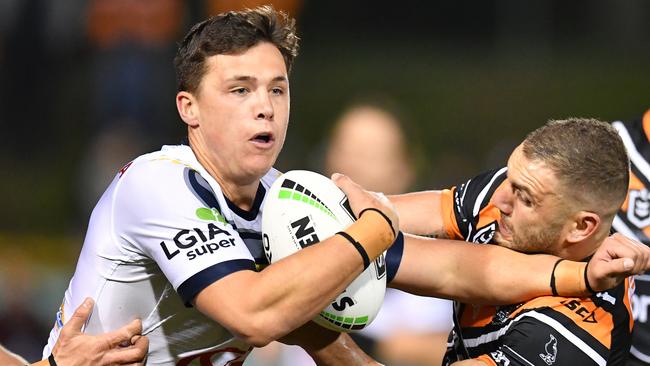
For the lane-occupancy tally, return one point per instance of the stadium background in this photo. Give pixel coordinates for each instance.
(84, 82)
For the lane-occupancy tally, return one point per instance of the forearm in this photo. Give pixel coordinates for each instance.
(326, 347)
(342, 352)
(420, 213)
(480, 274)
(290, 292)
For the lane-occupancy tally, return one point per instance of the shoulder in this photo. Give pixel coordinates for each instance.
(163, 176)
(470, 203)
(161, 188)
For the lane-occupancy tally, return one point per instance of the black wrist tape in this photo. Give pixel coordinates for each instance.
(587, 285)
(358, 247)
(553, 288)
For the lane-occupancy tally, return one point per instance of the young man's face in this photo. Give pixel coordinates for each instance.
(243, 103)
(533, 213)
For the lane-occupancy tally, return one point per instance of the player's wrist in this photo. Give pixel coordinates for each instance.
(373, 232)
(569, 278)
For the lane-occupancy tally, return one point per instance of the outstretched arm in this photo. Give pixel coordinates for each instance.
(419, 213)
(489, 274)
(480, 273)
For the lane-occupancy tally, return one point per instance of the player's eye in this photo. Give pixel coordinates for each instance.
(277, 91)
(523, 198)
(239, 91)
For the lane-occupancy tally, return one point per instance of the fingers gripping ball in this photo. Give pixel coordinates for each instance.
(303, 208)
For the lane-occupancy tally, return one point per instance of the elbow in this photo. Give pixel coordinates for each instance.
(257, 339)
(259, 332)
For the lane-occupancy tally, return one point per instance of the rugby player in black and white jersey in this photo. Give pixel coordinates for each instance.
(564, 185)
(633, 220)
(175, 239)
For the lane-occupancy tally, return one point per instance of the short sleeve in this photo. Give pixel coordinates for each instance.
(165, 211)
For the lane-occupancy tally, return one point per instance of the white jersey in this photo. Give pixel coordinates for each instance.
(161, 233)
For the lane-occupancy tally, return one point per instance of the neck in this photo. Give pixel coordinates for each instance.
(241, 192)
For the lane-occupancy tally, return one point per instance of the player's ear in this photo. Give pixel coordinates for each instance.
(187, 106)
(584, 225)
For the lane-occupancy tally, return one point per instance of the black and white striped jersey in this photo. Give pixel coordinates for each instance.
(633, 220)
(547, 330)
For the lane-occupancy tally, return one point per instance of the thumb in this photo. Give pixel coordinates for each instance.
(81, 315)
(603, 275)
(623, 266)
(344, 182)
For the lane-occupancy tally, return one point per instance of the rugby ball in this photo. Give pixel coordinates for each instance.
(303, 208)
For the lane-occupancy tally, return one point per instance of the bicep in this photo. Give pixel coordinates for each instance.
(224, 300)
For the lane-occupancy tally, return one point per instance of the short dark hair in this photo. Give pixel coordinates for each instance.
(231, 33)
(588, 157)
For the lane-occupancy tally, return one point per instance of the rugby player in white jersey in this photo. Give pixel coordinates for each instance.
(175, 239)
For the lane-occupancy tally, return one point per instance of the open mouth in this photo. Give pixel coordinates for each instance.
(503, 228)
(263, 138)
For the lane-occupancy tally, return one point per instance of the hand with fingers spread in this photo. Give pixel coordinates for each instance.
(617, 257)
(124, 346)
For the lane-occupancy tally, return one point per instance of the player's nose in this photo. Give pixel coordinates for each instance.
(264, 107)
(502, 199)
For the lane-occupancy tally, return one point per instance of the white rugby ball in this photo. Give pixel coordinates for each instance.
(303, 208)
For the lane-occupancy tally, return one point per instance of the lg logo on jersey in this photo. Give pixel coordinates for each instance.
(186, 240)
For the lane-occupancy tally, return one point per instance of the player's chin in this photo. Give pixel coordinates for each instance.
(260, 165)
